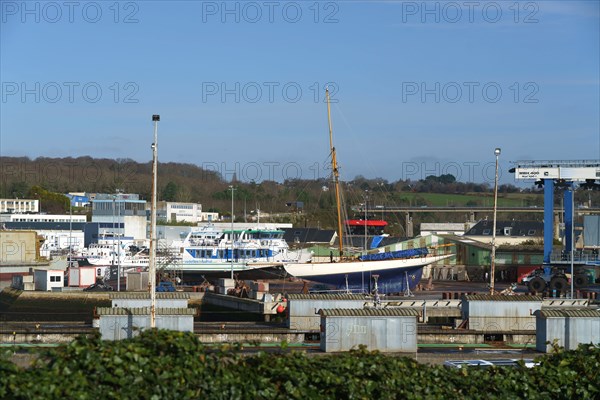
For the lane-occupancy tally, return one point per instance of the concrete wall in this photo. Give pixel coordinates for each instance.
(386, 334)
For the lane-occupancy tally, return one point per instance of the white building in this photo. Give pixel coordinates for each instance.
(445, 228)
(209, 216)
(57, 240)
(179, 212)
(42, 218)
(46, 280)
(11, 206)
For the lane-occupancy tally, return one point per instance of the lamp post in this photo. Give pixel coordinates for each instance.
(572, 242)
(119, 245)
(232, 190)
(70, 231)
(113, 244)
(493, 257)
(152, 266)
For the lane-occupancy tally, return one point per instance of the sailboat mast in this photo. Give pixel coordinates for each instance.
(336, 176)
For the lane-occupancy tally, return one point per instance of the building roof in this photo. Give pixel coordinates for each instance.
(500, 297)
(445, 226)
(146, 296)
(466, 241)
(369, 312)
(569, 313)
(507, 228)
(144, 311)
(48, 226)
(326, 296)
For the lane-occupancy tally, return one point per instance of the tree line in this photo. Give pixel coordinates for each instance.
(36, 178)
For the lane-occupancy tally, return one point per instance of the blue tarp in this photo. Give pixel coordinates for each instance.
(390, 255)
(376, 241)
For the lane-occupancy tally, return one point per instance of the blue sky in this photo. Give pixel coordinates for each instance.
(420, 88)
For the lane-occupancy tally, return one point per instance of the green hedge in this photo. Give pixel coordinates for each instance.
(173, 365)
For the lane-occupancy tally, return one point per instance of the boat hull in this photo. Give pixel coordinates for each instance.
(197, 274)
(394, 276)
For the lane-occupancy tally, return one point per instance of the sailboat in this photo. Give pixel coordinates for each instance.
(393, 272)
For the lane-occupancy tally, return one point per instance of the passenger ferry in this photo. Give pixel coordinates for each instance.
(255, 253)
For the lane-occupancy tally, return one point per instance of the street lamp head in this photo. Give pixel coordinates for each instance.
(497, 151)
(156, 117)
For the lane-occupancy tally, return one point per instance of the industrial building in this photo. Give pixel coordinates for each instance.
(382, 329)
(497, 313)
(121, 214)
(566, 328)
(303, 309)
(130, 313)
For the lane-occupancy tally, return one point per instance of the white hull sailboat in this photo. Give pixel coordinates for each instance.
(396, 271)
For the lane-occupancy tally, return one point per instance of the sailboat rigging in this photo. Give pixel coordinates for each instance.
(336, 177)
(397, 271)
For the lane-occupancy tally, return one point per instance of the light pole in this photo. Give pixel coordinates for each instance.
(152, 266)
(113, 237)
(232, 190)
(572, 241)
(493, 257)
(119, 245)
(70, 230)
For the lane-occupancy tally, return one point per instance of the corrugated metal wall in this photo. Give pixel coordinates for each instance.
(303, 312)
(117, 327)
(498, 315)
(386, 334)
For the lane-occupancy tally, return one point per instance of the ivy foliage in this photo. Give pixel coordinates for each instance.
(174, 365)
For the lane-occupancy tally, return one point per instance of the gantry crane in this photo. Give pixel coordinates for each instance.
(565, 175)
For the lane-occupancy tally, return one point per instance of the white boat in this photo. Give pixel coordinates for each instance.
(256, 253)
(399, 272)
